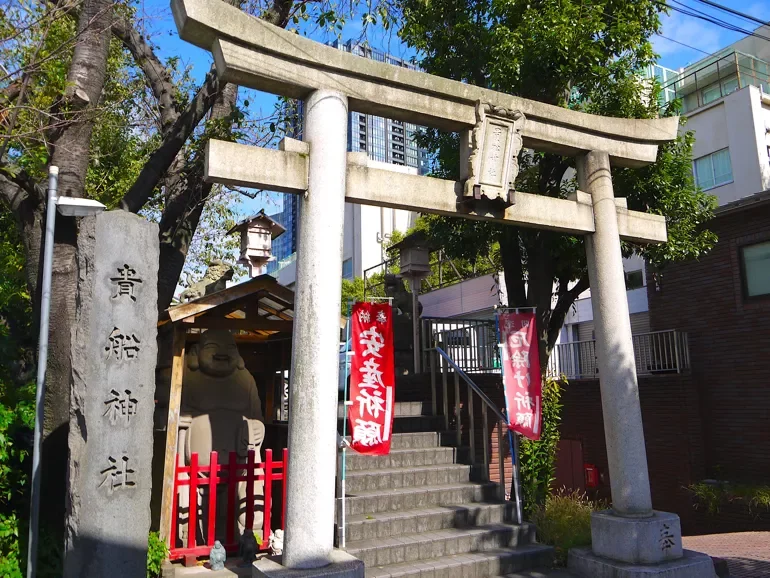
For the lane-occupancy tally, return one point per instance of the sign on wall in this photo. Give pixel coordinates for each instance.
(372, 378)
(521, 372)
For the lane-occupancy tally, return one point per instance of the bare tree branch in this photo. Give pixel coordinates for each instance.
(156, 74)
(157, 165)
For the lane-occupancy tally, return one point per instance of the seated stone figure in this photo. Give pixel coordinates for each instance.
(221, 411)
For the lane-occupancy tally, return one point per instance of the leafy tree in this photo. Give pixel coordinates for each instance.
(82, 87)
(583, 55)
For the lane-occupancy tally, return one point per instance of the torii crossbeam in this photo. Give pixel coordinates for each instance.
(493, 127)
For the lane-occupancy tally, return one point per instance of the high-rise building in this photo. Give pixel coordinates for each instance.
(366, 228)
(383, 139)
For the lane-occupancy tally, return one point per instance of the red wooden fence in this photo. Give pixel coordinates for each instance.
(229, 474)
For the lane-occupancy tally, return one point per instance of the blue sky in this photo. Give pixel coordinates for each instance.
(703, 37)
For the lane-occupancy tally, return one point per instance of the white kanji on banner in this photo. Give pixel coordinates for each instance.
(372, 383)
(521, 372)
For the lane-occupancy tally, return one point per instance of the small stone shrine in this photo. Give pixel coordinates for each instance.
(110, 436)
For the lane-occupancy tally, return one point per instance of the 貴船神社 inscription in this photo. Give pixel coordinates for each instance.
(114, 354)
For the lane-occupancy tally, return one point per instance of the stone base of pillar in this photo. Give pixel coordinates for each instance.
(586, 564)
(651, 540)
(633, 547)
(343, 565)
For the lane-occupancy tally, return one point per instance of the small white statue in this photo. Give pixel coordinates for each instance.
(276, 543)
(217, 556)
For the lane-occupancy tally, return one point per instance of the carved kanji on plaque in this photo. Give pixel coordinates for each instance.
(493, 164)
(118, 475)
(122, 345)
(125, 283)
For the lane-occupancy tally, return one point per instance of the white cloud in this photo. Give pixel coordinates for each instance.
(688, 31)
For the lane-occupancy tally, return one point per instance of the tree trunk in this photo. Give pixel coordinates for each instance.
(85, 81)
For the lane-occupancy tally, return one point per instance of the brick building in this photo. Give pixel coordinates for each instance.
(710, 421)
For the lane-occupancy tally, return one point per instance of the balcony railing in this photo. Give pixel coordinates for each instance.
(655, 352)
(473, 345)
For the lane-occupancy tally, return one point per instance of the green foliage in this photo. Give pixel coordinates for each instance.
(564, 522)
(17, 397)
(586, 56)
(712, 494)
(538, 458)
(157, 551)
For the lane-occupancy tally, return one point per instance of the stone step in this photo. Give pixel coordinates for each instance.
(402, 458)
(398, 524)
(402, 409)
(486, 564)
(430, 545)
(407, 477)
(406, 424)
(428, 439)
(380, 501)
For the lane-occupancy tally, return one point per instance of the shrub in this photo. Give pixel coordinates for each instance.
(564, 522)
(157, 551)
(538, 458)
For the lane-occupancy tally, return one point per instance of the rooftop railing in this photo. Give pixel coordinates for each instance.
(473, 345)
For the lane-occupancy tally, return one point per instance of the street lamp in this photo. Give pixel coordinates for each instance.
(70, 207)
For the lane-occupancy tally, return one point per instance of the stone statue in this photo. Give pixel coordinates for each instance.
(402, 323)
(222, 412)
(248, 547)
(276, 543)
(218, 273)
(217, 556)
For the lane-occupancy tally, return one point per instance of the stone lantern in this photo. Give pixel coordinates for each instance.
(414, 259)
(257, 234)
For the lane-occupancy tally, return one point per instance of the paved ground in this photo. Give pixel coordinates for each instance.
(747, 553)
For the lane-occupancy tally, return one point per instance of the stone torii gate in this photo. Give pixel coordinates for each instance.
(493, 126)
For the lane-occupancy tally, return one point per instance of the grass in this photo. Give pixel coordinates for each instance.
(564, 522)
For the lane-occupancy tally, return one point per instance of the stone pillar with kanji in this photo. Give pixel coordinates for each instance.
(112, 397)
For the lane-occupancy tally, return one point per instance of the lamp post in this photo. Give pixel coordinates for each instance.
(70, 207)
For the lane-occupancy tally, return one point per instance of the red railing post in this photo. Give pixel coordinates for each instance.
(232, 503)
(193, 513)
(250, 475)
(213, 479)
(268, 496)
(174, 508)
(283, 507)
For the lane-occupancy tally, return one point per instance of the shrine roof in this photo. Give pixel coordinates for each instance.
(260, 306)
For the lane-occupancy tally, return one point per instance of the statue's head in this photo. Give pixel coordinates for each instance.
(217, 544)
(217, 354)
(218, 269)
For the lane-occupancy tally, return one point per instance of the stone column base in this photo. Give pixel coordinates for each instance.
(651, 540)
(343, 565)
(584, 563)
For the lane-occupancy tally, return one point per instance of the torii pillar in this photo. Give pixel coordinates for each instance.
(632, 539)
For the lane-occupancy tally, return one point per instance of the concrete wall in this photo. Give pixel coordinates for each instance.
(473, 297)
(738, 122)
(582, 312)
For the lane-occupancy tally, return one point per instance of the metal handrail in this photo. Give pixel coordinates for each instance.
(447, 362)
(484, 397)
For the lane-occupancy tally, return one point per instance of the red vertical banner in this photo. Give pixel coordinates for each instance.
(372, 378)
(521, 373)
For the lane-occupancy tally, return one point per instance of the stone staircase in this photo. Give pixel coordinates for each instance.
(416, 512)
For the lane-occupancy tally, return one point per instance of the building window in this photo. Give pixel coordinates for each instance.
(634, 280)
(755, 262)
(713, 170)
(347, 269)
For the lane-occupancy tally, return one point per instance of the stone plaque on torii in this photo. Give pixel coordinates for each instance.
(493, 127)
